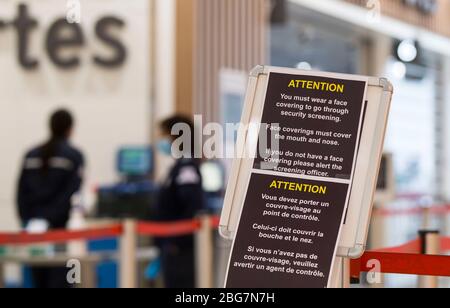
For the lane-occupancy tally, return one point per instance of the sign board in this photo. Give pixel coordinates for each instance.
(287, 203)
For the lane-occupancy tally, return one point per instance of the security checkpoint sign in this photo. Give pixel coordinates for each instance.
(297, 195)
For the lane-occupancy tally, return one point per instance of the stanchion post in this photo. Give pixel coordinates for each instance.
(340, 274)
(204, 253)
(2, 277)
(346, 273)
(89, 280)
(128, 255)
(426, 219)
(378, 235)
(431, 243)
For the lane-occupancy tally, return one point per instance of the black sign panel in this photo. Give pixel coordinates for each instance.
(298, 191)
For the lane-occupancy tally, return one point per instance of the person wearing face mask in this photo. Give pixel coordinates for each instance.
(181, 198)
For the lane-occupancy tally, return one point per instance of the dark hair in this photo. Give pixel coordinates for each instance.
(60, 124)
(168, 124)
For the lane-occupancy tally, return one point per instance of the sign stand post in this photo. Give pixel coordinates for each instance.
(341, 274)
(2, 278)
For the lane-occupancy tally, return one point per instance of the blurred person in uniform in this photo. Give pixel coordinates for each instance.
(50, 176)
(181, 198)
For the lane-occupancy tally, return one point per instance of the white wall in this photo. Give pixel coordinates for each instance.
(445, 171)
(410, 135)
(112, 107)
(165, 45)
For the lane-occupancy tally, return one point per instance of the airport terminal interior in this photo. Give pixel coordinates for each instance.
(92, 91)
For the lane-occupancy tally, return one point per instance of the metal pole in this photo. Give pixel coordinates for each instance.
(346, 273)
(89, 280)
(426, 220)
(379, 225)
(128, 255)
(336, 274)
(340, 274)
(2, 277)
(204, 254)
(430, 246)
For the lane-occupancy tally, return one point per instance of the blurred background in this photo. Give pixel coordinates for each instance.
(128, 65)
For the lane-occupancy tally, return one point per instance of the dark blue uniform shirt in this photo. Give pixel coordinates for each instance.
(47, 194)
(181, 196)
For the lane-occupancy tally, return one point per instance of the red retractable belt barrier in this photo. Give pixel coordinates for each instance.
(60, 236)
(404, 259)
(400, 212)
(436, 210)
(168, 229)
(445, 244)
(402, 263)
(215, 221)
(173, 229)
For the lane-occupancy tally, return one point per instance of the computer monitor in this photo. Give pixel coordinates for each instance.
(135, 161)
(213, 177)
